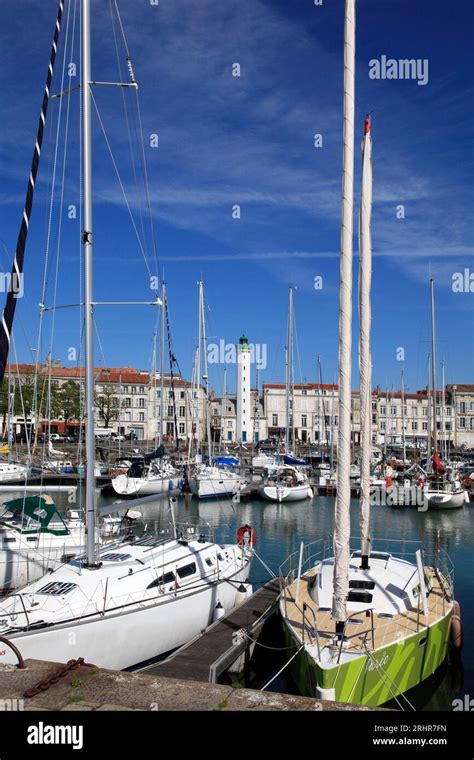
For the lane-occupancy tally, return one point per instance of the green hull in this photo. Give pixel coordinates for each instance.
(403, 665)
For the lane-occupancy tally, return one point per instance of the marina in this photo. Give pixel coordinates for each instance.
(177, 514)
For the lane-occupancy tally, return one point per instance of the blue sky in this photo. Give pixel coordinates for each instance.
(248, 140)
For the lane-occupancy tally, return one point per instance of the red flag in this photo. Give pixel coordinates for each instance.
(437, 466)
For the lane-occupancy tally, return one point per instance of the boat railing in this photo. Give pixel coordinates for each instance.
(345, 637)
(14, 614)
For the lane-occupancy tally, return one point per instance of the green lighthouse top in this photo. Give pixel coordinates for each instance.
(243, 341)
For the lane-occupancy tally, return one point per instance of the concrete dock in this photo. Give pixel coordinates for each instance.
(95, 689)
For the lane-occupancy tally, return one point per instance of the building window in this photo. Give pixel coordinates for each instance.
(304, 392)
(448, 411)
(182, 411)
(382, 426)
(170, 394)
(383, 411)
(128, 402)
(141, 403)
(425, 412)
(303, 420)
(462, 407)
(425, 426)
(181, 428)
(141, 416)
(141, 389)
(275, 420)
(438, 412)
(393, 410)
(462, 422)
(181, 394)
(170, 411)
(414, 425)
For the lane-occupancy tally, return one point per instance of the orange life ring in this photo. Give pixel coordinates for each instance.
(251, 533)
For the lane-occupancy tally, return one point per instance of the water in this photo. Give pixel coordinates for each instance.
(281, 527)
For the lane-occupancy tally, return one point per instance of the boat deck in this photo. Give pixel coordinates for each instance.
(316, 623)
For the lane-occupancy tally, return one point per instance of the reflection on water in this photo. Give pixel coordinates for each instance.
(281, 527)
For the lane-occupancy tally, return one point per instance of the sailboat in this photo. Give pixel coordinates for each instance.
(439, 492)
(218, 478)
(285, 481)
(366, 625)
(126, 602)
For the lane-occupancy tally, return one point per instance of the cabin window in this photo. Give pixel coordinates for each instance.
(186, 570)
(8, 540)
(209, 562)
(166, 578)
(220, 557)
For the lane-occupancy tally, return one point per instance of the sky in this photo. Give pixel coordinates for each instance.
(245, 140)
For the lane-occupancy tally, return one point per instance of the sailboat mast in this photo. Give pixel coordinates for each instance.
(443, 425)
(88, 282)
(433, 366)
(288, 370)
(162, 360)
(365, 318)
(403, 420)
(342, 516)
(205, 376)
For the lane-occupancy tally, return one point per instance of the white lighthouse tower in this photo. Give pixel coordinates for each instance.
(244, 411)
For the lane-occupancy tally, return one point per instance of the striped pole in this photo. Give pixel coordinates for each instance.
(17, 268)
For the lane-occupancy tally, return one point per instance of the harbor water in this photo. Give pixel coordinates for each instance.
(281, 527)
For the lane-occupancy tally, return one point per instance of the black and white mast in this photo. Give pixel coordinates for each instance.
(17, 268)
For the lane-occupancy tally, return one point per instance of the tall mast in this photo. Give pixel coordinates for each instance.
(205, 375)
(289, 359)
(443, 401)
(342, 512)
(318, 372)
(430, 422)
(162, 361)
(88, 289)
(403, 420)
(365, 318)
(433, 366)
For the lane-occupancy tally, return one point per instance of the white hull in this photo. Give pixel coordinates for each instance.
(9, 472)
(434, 499)
(124, 485)
(126, 638)
(214, 485)
(286, 493)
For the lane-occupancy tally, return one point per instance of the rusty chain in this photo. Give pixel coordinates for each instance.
(44, 684)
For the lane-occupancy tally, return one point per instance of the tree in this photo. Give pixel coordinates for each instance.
(108, 404)
(68, 400)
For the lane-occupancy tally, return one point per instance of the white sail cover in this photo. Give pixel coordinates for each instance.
(365, 316)
(342, 516)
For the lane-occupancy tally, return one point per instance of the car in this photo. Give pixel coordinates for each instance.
(117, 437)
(56, 438)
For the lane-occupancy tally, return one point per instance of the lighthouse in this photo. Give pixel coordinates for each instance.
(244, 412)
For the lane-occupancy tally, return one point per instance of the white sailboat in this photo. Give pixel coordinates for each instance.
(286, 482)
(127, 602)
(212, 480)
(366, 625)
(35, 538)
(439, 492)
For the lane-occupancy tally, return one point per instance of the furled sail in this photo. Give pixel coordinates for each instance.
(17, 268)
(342, 515)
(365, 363)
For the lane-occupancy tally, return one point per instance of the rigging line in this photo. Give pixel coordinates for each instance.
(282, 669)
(17, 268)
(127, 120)
(142, 141)
(121, 184)
(63, 176)
(52, 194)
(172, 361)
